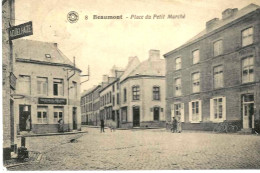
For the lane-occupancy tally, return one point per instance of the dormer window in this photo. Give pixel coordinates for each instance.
(47, 55)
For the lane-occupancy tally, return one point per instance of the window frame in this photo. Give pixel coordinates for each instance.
(40, 109)
(59, 84)
(252, 35)
(179, 86)
(179, 64)
(248, 68)
(136, 93)
(193, 82)
(214, 75)
(219, 48)
(156, 93)
(192, 53)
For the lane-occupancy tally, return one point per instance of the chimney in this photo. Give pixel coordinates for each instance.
(55, 44)
(229, 13)
(211, 23)
(105, 79)
(154, 55)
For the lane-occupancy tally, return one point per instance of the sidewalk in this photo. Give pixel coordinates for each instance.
(51, 134)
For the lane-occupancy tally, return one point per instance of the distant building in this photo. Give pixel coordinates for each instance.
(134, 96)
(215, 76)
(50, 86)
(90, 106)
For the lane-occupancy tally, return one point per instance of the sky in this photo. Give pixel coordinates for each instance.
(101, 44)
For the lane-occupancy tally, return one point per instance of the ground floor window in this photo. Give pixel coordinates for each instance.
(57, 114)
(195, 111)
(218, 109)
(124, 114)
(42, 114)
(156, 113)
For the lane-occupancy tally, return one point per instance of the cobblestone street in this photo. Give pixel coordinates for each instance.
(144, 149)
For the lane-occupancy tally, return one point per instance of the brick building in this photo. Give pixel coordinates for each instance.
(215, 76)
(8, 77)
(50, 86)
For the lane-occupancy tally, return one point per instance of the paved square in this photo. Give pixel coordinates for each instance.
(144, 149)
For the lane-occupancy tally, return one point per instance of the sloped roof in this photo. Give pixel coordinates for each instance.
(37, 50)
(240, 13)
(151, 68)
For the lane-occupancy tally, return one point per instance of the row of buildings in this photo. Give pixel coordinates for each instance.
(40, 87)
(214, 77)
(129, 97)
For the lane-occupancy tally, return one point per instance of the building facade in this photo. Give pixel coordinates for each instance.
(49, 86)
(215, 76)
(8, 78)
(143, 94)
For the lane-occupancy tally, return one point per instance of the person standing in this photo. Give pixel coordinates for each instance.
(60, 125)
(174, 124)
(179, 128)
(102, 126)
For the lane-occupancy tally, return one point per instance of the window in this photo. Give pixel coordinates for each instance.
(42, 114)
(42, 85)
(218, 109)
(58, 87)
(195, 56)
(178, 63)
(117, 98)
(195, 82)
(24, 85)
(113, 116)
(125, 95)
(136, 92)
(247, 36)
(178, 111)
(113, 88)
(156, 93)
(218, 48)
(178, 86)
(47, 55)
(74, 90)
(124, 114)
(113, 100)
(156, 113)
(248, 69)
(218, 76)
(195, 111)
(57, 114)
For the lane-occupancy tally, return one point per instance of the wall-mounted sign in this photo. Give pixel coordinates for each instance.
(57, 101)
(19, 31)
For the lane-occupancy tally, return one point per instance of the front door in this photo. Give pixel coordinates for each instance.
(118, 119)
(136, 116)
(24, 118)
(74, 113)
(156, 114)
(248, 111)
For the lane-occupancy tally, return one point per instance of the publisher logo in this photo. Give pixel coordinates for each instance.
(73, 17)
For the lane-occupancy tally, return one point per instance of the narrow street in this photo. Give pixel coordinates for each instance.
(144, 149)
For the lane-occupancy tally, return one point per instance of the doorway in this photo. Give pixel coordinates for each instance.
(74, 114)
(248, 111)
(25, 123)
(156, 113)
(136, 116)
(117, 118)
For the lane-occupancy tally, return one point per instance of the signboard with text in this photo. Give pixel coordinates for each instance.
(19, 31)
(57, 101)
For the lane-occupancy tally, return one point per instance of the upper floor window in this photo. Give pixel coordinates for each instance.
(24, 85)
(248, 69)
(136, 92)
(113, 88)
(178, 86)
(156, 93)
(42, 85)
(247, 36)
(195, 82)
(195, 56)
(113, 101)
(117, 99)
(58, 89)
(178, 63)
(125, 95)
(74, 89)
(218, 76)
(218, 48)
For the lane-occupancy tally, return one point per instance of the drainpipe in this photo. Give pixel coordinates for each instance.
(68, 79)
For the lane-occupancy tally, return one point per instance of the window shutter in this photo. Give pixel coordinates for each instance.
(190, 111)
(172, 111)
(200, 111)
(224, 108)
(211, 110)
(182, 113)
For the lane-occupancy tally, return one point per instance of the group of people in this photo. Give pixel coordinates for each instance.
(176, 125)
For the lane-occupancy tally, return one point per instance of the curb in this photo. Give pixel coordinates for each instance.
(52, 134)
